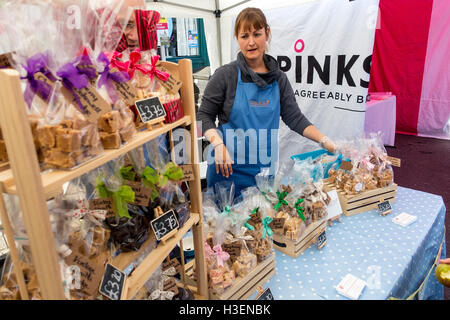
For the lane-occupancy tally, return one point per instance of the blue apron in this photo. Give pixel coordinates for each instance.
(254, 120)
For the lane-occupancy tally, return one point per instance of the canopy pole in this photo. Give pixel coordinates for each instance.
(219, 31)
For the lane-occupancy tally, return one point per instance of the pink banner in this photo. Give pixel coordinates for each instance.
(434, 112)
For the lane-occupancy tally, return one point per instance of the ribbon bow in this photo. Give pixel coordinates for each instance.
(217, 251)
(83, 210)
(281, 196)
(119, 65)
(35, 64)
(128, 173)
(150, 178)
(120, 198)
(132, 65)
(172, 172)
(164, 76)
(85, 66)
(160, 294)
(71, 78)
(107, 77)
(266, 229)
(299, 209)
(242, 238)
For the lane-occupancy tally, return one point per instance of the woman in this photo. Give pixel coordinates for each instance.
(249, 95)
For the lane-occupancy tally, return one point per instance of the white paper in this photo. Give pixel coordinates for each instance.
(334, 208)
(404, 219)
(351, 287)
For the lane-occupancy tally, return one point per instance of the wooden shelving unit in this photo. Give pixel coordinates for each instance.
(33, 188)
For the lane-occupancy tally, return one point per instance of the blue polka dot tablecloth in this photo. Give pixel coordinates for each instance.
(393, 260)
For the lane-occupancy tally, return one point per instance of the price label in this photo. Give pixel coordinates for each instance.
(112, 283)
(321, 240)
(164, 224)
(150, 109)
(266, 295)
(277, 223)
(384, 208)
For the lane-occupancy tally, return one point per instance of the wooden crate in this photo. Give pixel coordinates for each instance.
(365, 201)
(294, 248)
(243, 287)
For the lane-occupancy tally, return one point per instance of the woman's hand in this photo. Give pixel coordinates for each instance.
(330, 146)
(445, 261)
(223, 160)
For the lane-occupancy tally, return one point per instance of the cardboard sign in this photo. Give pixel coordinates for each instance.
(41, 77)
(396, 162)
(150, 109)
(141, 193)
(255, 219)
(90, 272)
(170, 285)
(277, 223)
(102, 204)
(164, 224)
(94, 106)
(346, 165)
(266, 295)
(188, 171)
(126, 92)
(5, 60)
(112, 283)
(321, 240)
(384, 207)
(334, 208)
(172, 84)
(233, 249)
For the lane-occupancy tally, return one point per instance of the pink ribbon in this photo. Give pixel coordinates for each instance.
(83, 209)
(369, 165)
(164, 76)
(221, 255)
(217, 251)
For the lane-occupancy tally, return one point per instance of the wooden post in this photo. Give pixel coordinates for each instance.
(188, 102)
(25, 167)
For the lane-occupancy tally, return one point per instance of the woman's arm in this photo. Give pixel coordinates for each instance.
(314, 134)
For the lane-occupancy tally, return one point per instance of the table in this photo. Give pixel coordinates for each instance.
(393, 260)
(381, 116)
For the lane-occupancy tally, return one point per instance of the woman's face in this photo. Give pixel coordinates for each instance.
(252, 43)
(131, 33)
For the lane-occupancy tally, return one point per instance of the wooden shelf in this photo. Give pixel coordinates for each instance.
(53, 180)
(153, 260)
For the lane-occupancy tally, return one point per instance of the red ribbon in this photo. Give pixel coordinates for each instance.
(132, 65)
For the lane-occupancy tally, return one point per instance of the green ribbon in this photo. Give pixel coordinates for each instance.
(226, 210)
(172, 172)
(128, 173)
(150, 178)
(266, 229)
(281, 196)
(299, 209)
(120, 198)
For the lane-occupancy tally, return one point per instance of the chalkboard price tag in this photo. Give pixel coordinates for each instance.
(164, 224)
(384, 207)
(112, 283)
(150, 109)
(321, 240)
(266, 295)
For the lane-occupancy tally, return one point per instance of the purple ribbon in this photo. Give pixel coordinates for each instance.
(107, 77)
(72, 78)
(85, 66)
(35, 64)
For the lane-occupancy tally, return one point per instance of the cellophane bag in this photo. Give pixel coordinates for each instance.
(81, 237)
(129, 228)
(9, 289)
(101, 35)
(171, 194)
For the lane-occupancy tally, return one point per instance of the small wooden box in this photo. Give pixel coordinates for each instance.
(295, 248)
(365, 201)
(243, 287)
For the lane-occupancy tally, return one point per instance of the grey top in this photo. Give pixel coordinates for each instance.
(220, 91)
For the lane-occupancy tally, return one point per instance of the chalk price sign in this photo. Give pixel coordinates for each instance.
(150, 109)
(321, 240)
(112, 283)
(266, 295)
(164, 224)
(384, 207)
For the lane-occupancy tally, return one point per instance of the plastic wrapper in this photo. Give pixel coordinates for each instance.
(129, 228)
(164, 175)
(371, 169)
